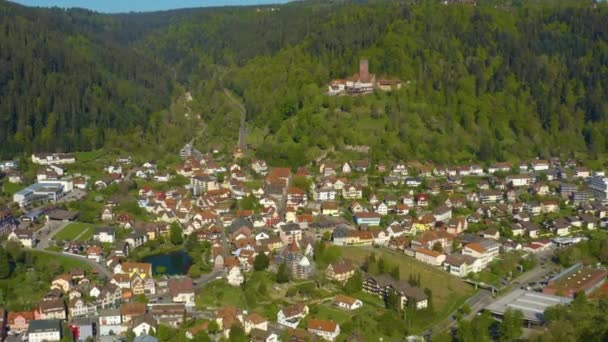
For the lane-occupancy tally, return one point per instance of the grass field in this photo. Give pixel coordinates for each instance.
(66, 262)
(11, 188)
(82, 231)
(89, 155)
(220, 293)
(448, 292)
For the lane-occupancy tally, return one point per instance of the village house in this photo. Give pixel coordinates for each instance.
(235, 276)
(169, 314)
(104, 235)
(327, 330)
(254, 321)
(144, 325)
(129, 311)
(52, 309)
(340, 271)
(383, 286)
(292, 315)
(462, 265)
(346, 302)
(44, 330)
(19, 321)
(181, 290)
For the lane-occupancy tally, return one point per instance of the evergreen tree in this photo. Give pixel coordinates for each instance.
(237, 334)
(176, 234)
(511, 326)
(5, 267)
(282, 274)
(395, 273)
(354, 283)
(261, 262)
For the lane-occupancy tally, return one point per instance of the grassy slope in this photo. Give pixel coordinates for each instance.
(19, 297)
(448, 292)
(73, 230)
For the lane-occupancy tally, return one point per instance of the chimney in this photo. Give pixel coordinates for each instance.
(363, 69)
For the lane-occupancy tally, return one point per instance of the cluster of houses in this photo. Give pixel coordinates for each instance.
(419, 209)
(93, 308)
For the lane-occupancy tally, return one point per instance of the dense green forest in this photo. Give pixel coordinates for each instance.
(497, 81)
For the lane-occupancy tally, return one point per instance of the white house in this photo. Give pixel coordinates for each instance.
(44, 330)
(104, 235)
(255, 321)
(292, 315)
(144, 325)
(235, 276)
(110, 323)
(382, 209)
(53, 158)
(486, 250)
(348, 303)
(181, 290)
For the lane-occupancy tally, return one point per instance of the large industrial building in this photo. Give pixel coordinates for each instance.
(531, 304)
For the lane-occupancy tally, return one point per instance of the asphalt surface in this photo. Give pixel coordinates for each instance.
(46, 233)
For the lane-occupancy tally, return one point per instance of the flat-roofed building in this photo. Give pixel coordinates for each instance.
(531, 304)
(574, 280)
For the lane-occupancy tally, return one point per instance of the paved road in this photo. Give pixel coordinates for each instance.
(45, 234)
(243, 110)
(209, 277)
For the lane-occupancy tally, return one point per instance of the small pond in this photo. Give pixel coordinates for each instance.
(174, 263)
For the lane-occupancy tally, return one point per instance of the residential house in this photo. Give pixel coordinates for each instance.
(462, 265)
(443, 213)
(110, 323)
(44, 330)
(383, 286)
(168, 313)
(346, 302)
(327, 330)
(235, 276)
(561, 227)
(181, 290)
(62, 282)
(340, 271)
(19, 321)
(370, 219)
(94, 253)
(324, 194)
(292, 315)
(52, 309)
(144, 325)
(128, 311)
(104, 235)
(352, 192)
(24, 236)
(254, 321)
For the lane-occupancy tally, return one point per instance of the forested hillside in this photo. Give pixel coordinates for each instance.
(500, 80)
(62, 88)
